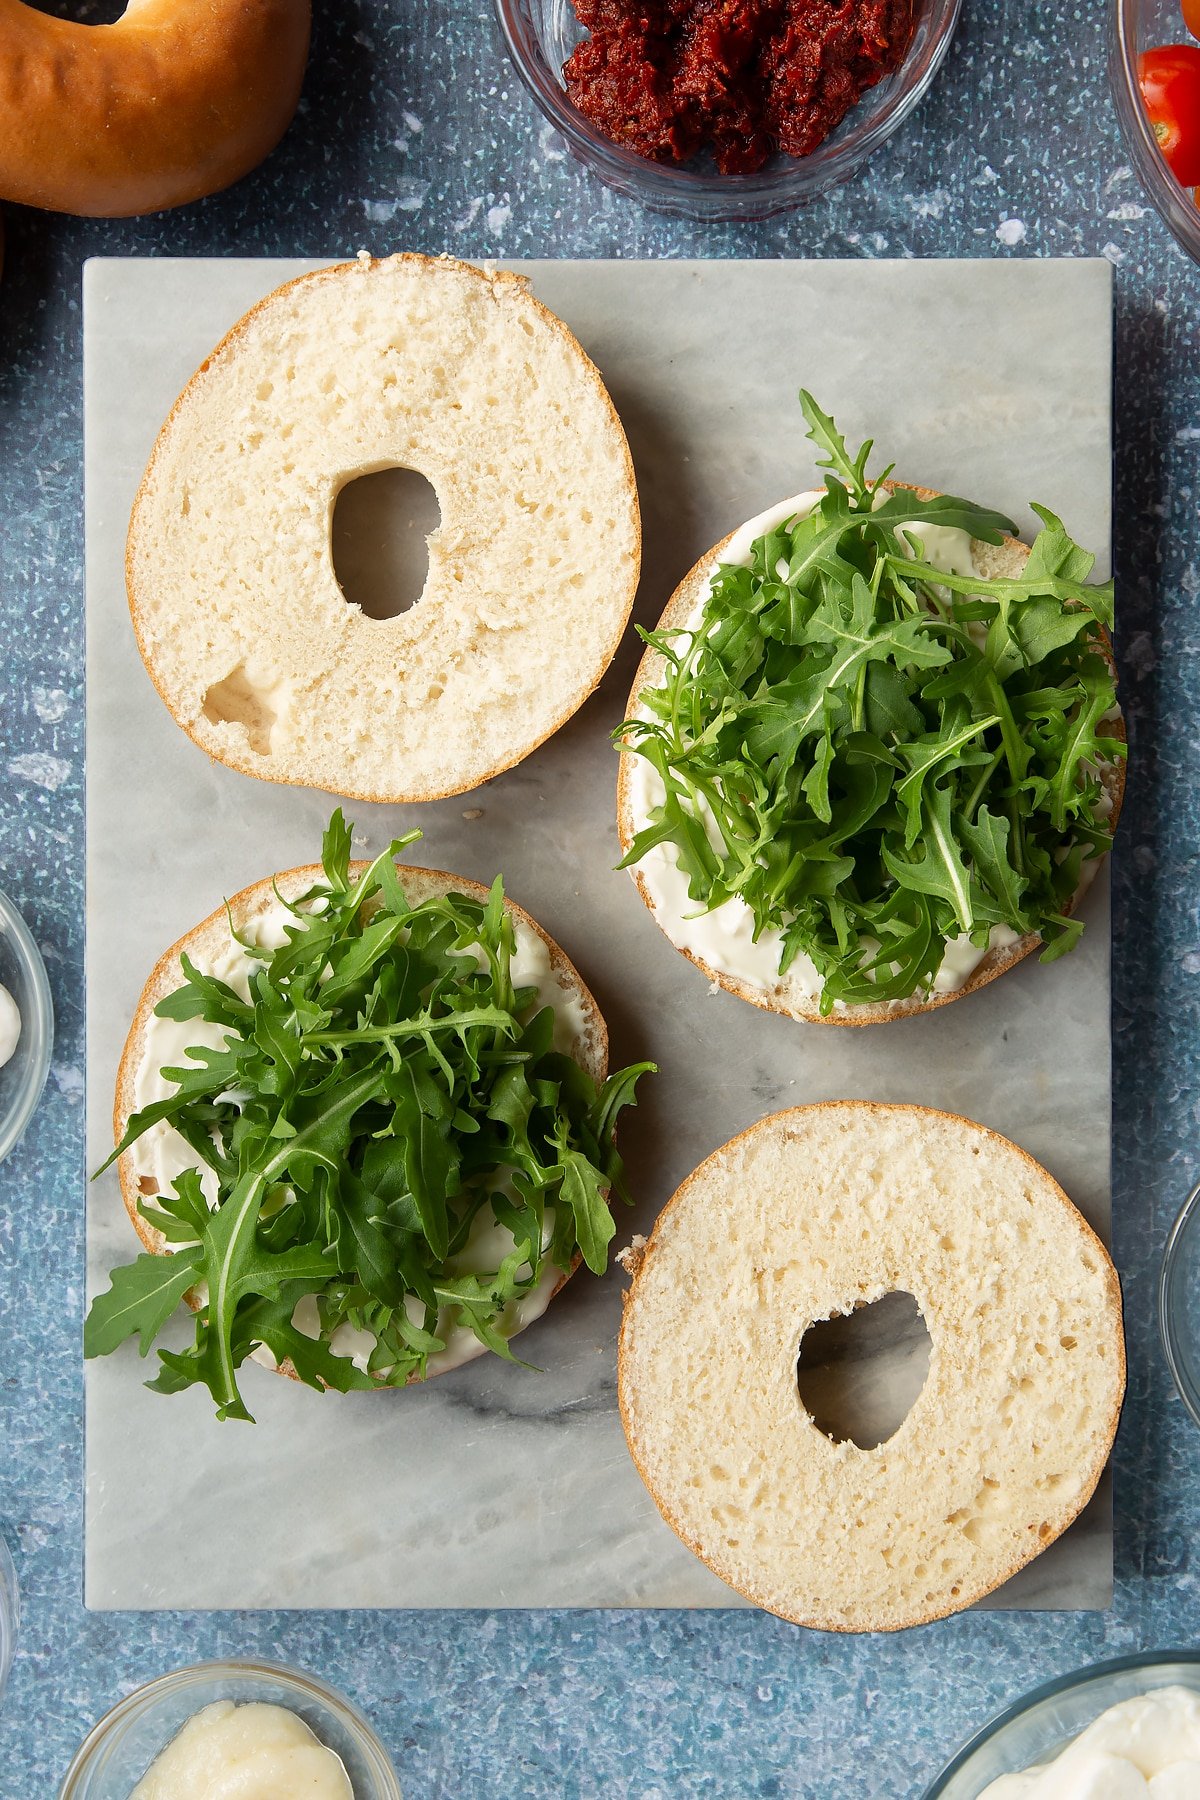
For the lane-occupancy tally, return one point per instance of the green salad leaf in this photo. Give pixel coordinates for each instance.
(384, 1090)
(877, 756)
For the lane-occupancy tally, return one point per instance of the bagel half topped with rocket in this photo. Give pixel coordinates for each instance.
(363, 1127)
(873, 753)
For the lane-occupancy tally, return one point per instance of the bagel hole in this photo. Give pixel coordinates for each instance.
(84, 12)
(379, 534)
(859, 1374)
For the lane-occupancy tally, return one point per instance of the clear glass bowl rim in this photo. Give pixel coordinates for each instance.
(10, 1611)
(1185, 1222)
(197, 1673)
(1172, 202)
(1049, 1690)
(37, 1025)
(709, 196)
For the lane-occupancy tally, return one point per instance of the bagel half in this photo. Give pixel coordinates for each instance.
(212, 936)
(815, 1212)
(174, 100)
(412, 363)
(786, 995)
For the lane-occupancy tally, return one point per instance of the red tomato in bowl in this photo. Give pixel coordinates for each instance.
(1169, 79)
(1191, 16)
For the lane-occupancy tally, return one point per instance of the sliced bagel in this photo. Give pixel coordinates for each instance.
(788, 995)
(585, 1034)
(813, 1213)
(411, 362)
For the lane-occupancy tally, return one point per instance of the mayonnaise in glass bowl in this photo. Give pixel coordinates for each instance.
(23, 1074)
(118, 1751)
(1041, 1726)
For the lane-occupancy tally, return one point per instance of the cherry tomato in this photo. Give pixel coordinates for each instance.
(1191, 16)
(1170, 82)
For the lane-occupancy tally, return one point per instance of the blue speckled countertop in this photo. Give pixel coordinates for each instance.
(413, 133)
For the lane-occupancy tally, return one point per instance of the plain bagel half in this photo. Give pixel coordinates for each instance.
(211, 938)
(174, 100)
(787, 995)
(816, 1212)
(411, 363)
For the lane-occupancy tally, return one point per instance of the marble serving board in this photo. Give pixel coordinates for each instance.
(497, 1486)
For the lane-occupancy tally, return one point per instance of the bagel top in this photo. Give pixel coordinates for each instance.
(815, 1212)
(796, 994)
(173, 100)
(408, 362)
(147, 1168)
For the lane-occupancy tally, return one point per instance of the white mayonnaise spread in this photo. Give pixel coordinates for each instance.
(10, 1026)
(1147, 1746)
(161, 1154)
(723, 939)
(254, 1752)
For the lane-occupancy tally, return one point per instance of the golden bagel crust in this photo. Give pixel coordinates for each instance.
(139, 551)
(834, 1616)
(213, 933)
(650, 672)
(176, 99)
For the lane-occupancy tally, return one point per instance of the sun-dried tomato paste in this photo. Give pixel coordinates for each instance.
(743, 77)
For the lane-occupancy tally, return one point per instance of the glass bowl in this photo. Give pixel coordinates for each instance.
(1042, 1724)
(1134, 26)
(1179, 1302)
(10, 1613)
(23, 1077)
(541, 34)
(117, 1752)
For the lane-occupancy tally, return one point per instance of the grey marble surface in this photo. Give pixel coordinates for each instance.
(504, 1454)
(414, 134)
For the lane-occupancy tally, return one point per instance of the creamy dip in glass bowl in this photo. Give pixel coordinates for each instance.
(23, 1072)
(121, 1748)
(1040, 1726)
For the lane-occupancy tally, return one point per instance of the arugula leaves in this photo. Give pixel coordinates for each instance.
(384, 1092)
(878, 756)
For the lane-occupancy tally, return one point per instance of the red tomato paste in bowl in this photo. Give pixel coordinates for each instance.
(742, 78)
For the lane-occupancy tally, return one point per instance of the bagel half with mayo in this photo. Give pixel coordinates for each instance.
(174, 100)
(212, 939)
(816, 1212)
(365, 1109)
(414, 363)
(794, 993)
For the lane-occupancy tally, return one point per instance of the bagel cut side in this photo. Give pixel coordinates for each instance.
(410, 363)
(585, 1039)
(815, 1212)
(788, 994)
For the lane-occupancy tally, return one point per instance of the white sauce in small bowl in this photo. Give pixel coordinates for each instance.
(10, 1026)
(1145, 1748)
(251, 1752)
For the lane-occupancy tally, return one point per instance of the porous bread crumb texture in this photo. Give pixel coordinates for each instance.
(811, 1213)
(788, 995)
(409, 362)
